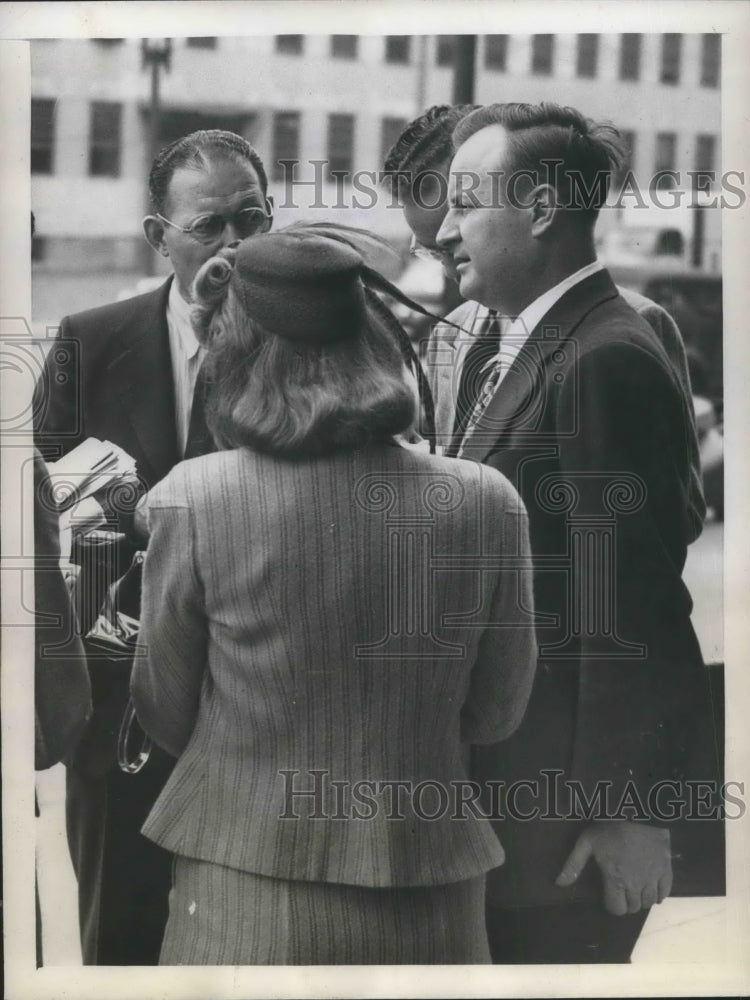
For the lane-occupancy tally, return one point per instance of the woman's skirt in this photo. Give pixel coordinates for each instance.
(222, 916)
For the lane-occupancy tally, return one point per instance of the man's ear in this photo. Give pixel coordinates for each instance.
(269, 208)
(544, 209)
(153, 230)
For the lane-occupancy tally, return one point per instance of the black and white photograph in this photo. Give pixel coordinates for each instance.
(374, 560)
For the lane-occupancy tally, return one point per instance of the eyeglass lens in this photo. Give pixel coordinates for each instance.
(247, 222)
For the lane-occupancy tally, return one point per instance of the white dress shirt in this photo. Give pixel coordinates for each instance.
(187, 356)
(515, 335)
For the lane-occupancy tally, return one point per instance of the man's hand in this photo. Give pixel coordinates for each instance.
(634, 859)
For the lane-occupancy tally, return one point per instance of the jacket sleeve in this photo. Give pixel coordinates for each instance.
(502, 676)
(626, 464)
(168, 675)
(62, 691)
(673, 343)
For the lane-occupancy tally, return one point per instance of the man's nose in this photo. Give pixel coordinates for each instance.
(448, 232)
(230, 237)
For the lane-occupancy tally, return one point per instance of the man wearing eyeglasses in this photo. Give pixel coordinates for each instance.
(128, 373)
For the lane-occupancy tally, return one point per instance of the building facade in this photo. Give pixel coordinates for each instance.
(336, 99)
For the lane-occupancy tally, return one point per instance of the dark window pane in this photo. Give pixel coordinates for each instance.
(710, 60)
(390, 131)
(666, 153)
(38, 248)
(285, 141)
(340, 143)
(444, 50)
(291, 45)
(628, 160)
(542, 51)
(42, 136)
(630, 57)
(104, 42)
(671, 52)
(587, 57)
(344, 46)
(105, 139)
(705, 152)
(202, 43)
(496, 52)
(397, 48)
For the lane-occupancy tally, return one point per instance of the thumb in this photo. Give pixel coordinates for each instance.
(576, 861)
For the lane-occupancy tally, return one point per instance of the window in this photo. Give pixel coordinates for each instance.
(285, 141)
(542, 50)
(444, 50)
(628, 159)
(290, 45)
(344, 46)
(587, 56)
(630, 56)
(108, 42)
(105, 139)
(496, 52)
(38, 248)
(705, 152)
(42, 136)
(397, 48)
(671, 51)
(390, 131)
(202, 43)
(710, 60)
(340, 143)
(666, 150)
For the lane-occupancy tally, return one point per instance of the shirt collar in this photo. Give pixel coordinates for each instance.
(538, 309)
(178, 316)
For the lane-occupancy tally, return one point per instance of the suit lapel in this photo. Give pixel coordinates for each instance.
(143, 381)
(515, 396)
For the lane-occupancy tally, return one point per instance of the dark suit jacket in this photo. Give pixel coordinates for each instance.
(272, 645)
(62, 692)
(108, 375)
(591, 426)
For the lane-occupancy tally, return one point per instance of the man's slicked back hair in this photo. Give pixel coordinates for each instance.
(587, 152)
(424, 145)
(196, 151)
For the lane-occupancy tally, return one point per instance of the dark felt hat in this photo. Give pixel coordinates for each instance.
(301, 286)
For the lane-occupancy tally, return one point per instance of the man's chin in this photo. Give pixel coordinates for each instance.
(466, 285)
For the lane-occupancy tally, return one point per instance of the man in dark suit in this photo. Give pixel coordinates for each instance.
(581, 409)
(127, 373)
(416, 169)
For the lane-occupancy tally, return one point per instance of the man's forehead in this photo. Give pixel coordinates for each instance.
(219, 181)
(483, 151)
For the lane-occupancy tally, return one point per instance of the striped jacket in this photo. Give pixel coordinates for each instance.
(317, 632)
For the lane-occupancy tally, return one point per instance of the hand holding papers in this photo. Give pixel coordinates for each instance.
(87, 469)
(76, 479)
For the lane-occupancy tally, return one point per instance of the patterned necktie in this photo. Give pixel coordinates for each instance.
(473, 373)
(199, 440)
(488, 381)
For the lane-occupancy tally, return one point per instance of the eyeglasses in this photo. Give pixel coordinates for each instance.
(425, 253)
(210, 228)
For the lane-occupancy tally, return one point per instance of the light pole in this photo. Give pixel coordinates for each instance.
(155, 54)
